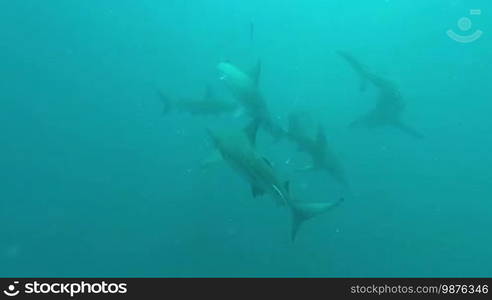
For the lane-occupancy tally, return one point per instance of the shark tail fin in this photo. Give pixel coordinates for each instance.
(302, 212)
(409, 130)
(167, 104)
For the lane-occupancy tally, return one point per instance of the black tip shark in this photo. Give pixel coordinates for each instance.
(390, 105)
(244, 86)
(237, 149)
(322, 156)
(209, 105)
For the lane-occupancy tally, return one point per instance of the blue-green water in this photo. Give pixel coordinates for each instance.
(96, 182)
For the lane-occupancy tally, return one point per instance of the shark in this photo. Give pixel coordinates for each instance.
(210, 104)
(238, 150)
(322, 156)
(390, 105)
(244, 86)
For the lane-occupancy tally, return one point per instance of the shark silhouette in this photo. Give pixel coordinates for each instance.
(237, 149)
(208, 105)
(390, 105)
(322, 156)
(244, 86)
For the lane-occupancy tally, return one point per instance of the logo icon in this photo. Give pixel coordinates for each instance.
(465, 24)
(10, 291)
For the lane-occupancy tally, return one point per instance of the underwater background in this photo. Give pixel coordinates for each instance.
(95, 181)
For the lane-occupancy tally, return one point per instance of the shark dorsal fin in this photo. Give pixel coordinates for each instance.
(209, 93)
(321, 137)
(251, 131)
(255, 73)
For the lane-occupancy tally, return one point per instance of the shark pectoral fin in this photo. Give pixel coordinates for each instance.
(214, 159)
(256, 191)
(302, 212)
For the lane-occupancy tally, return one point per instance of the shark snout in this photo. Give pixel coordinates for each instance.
(221, 68)
(225, 69)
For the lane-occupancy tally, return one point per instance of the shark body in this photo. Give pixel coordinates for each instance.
(209, 105)
(322, 156)
(244, 86)
(237, 149)
(390, 105)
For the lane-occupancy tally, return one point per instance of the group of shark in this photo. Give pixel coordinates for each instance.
(237, 147)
